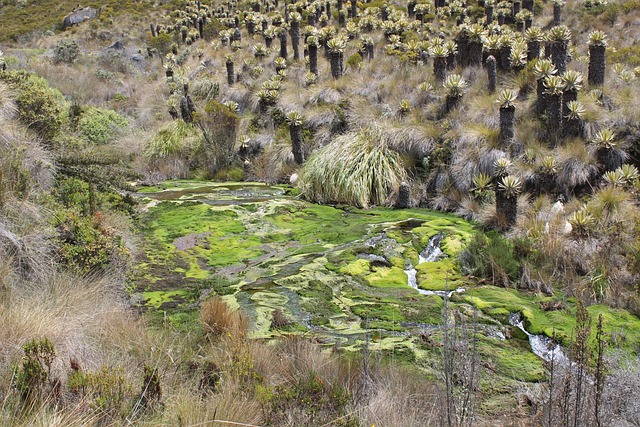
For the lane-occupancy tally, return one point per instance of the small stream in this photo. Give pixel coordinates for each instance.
(432, 253)
(541, 345)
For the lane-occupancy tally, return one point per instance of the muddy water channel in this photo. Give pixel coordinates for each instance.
(340, 275)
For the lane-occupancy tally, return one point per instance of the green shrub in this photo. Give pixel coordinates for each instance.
(357, 168)
(172, 139)
(354, 61)
(491, 256)
(100, 126)
(86, 244)
(40, 107)
(30, 377)
(66, 51)
(106, 390)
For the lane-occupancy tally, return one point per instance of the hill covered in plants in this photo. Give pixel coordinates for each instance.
(225, 212)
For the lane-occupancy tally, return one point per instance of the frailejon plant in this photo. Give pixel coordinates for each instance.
(559, 37)
(534, 37)
(506, 99)
(597, 58)
(572, 84)
(507, 193)
(295, 121)
(454, 85)
(336, 47)
(543, 69)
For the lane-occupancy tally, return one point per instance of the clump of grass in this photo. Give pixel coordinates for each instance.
(357, 168)
(217, 319)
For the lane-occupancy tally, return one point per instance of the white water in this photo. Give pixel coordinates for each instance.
(431, 253)
(541, 345)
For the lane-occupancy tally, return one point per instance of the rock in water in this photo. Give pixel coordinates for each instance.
(78, 16)
(404, 196)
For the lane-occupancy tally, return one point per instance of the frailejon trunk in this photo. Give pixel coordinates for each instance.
(462, 41)
(597, 65)
(559, 56)
(533, 50)
(554, 116)
(505, 61)
(541, 101)
(573, 127)
(488, 12)
(404, 196)
(313, 59)
(440, 68)
(492, 74)
(451, 102)
(557, 12)
(295, 39)
(475, 53)
(567, 97)
(283, 44)
(336, 64)
(353, 11)
(507, 116)
(506, 209)
(230, 74)
(296, 143)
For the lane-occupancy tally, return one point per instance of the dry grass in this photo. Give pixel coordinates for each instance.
(218, 319)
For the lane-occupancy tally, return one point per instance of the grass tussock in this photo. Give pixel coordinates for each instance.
(357, 168)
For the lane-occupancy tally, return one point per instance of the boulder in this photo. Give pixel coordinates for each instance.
(117, 45)
(78, 16)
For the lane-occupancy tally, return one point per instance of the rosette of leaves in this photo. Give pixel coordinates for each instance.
(582, 222)
(482, 185)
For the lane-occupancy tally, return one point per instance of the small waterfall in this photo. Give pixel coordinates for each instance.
(432, 253)
(542, 346)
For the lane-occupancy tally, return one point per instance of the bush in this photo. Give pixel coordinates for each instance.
(66, 51)
(86, 244)
(174, 138)
(100, 126)
(491, 256)
(357, 168)
(30, 378)
(219, 125)
(39, 106)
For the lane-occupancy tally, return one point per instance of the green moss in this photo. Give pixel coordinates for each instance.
(439, 276)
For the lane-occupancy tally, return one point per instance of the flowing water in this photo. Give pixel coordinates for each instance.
(432, 253)
(541, 345)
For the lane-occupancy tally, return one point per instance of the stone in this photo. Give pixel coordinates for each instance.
(78, 16)
(117, 45)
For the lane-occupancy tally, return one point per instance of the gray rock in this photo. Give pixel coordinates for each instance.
(137, 57)
(78, 16)
(117, 45)
(375, 260)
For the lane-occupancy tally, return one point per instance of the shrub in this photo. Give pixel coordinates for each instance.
(106, 390)
(172, 139)
(100, 126)
(39, 106)
(86, 244)
(491, 256)
(357, 168)
(30, 378)
(66, 51)
(219, 125)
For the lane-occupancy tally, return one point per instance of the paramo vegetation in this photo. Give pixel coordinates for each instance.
(521, 117)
